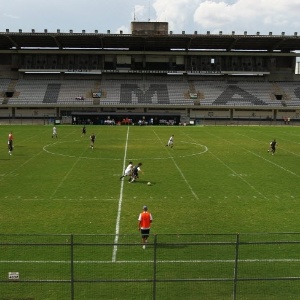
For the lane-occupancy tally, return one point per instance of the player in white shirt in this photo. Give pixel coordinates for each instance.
(54, 132)
(170, 141)
(128, 170)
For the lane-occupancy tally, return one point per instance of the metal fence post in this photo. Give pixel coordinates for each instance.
(72, 265)
(236, 266)
(154, 268)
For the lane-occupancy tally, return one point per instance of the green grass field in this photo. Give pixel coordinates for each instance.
(216, 180)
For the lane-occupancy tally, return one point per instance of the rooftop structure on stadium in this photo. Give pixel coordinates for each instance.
(149, 28)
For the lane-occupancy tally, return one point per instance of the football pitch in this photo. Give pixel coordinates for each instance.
(215, 180)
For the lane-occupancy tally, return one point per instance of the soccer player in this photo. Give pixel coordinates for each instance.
(144, 224)
(92, 140)
(83, 132)
(135, 172)
(170, 141)
(128, 170)
(10, 143)
(273, 145)
(54, 132)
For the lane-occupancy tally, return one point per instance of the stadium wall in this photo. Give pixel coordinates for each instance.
(146, 67)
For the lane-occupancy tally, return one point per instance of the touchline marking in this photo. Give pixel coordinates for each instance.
(115, 249)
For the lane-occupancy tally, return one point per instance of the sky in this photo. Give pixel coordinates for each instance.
(253, 16)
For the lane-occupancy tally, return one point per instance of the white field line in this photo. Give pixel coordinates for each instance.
(204, 261)
(45, 148)
(115, 249)
(63, 199)
(24, 163)
(179, 170)
(234, 172)
(282, 139)
(66, 176)
(239, 176)
(81, 199)
(271, 162)
(12, 172)
(278, 166)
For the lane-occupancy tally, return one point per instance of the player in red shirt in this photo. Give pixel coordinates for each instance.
(144, 224)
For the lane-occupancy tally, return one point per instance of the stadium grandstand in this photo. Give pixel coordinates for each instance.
(151, 75)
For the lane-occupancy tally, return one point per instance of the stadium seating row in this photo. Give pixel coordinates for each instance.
(151, 92)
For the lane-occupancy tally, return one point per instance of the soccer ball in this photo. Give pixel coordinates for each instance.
(149, 183)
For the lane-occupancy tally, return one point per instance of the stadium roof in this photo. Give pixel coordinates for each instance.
(187, 42)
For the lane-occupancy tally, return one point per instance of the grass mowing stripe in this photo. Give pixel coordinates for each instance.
(115, 249)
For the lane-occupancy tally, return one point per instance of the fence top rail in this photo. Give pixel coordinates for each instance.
(156, 234)
(155, 239)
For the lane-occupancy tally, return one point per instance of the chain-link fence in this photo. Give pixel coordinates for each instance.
(173, 266)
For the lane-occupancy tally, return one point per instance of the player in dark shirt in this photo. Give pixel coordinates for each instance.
(10, 143)
(135, 172)
(92, 139)
(83, 132)
(273, 145)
